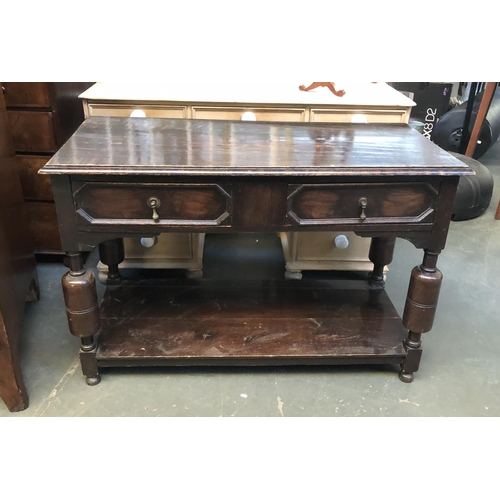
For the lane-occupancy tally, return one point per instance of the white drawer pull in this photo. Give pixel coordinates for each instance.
(149, 242)
(341, 241)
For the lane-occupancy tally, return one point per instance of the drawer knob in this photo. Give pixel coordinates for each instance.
(341, 241)
(149, 242)
(154, 203)
(363, 203)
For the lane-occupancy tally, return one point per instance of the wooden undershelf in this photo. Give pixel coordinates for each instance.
(204, 322)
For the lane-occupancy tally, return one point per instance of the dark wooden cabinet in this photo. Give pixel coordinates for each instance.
(41, 117)
(18, 275)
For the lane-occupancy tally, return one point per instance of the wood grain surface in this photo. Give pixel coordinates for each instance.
(156, 146)
(250, 322)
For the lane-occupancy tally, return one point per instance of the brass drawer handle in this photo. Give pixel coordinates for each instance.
(153, 203)
(363, 203)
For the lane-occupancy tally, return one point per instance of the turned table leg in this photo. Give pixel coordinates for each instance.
(420, 309)
(111, 253)
(381, 252)
(84, 320)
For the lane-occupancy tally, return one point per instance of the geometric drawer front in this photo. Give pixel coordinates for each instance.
(361, 203)
(122, 203)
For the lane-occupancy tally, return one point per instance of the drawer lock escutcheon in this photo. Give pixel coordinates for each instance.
(153, 203)
(363, 203)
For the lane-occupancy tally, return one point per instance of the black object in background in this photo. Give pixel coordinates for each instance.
(449, 130)
(432, 100)
(474, 191)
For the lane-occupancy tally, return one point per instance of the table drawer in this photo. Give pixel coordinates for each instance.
(316, 204)
(26, 95)
(32, 131)
(116, 203)
(151, 111)
(261, 114)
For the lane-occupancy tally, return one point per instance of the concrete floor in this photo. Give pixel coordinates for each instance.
(459, 374)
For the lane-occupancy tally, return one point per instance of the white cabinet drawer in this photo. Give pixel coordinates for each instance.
(150, 110)
(261, 113)
(346, 115)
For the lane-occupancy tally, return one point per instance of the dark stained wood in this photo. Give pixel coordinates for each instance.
(43, 115)
(411, 363)
(420, 309)
(259, 205)
(60, 98)
(444, 209)
(127, 203)
(281, 299)
(68, 107)
(74, 261)
(382, 181)
(43, 227)
(270, 341)
(255, 205)
(248, 323)
(381, 252)
(421, 302)
(66, 215)
(82, 309)
(32, 131)
(156, 146)
(26, 95)
(393, 202)
(35, 187)
(112, 253)
(18, 276)
(89, 366)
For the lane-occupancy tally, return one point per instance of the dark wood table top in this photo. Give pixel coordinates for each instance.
(158, 146)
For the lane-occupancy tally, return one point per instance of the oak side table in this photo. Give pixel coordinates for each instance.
(272, 102)
(119, 177)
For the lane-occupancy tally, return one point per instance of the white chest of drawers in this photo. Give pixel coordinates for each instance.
(362, 102)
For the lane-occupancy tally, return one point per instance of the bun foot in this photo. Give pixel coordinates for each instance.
(103, 277)
(405, 377)
(293, 275)
(93, 380)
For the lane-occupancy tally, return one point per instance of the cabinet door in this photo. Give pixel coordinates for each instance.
(17, 269)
